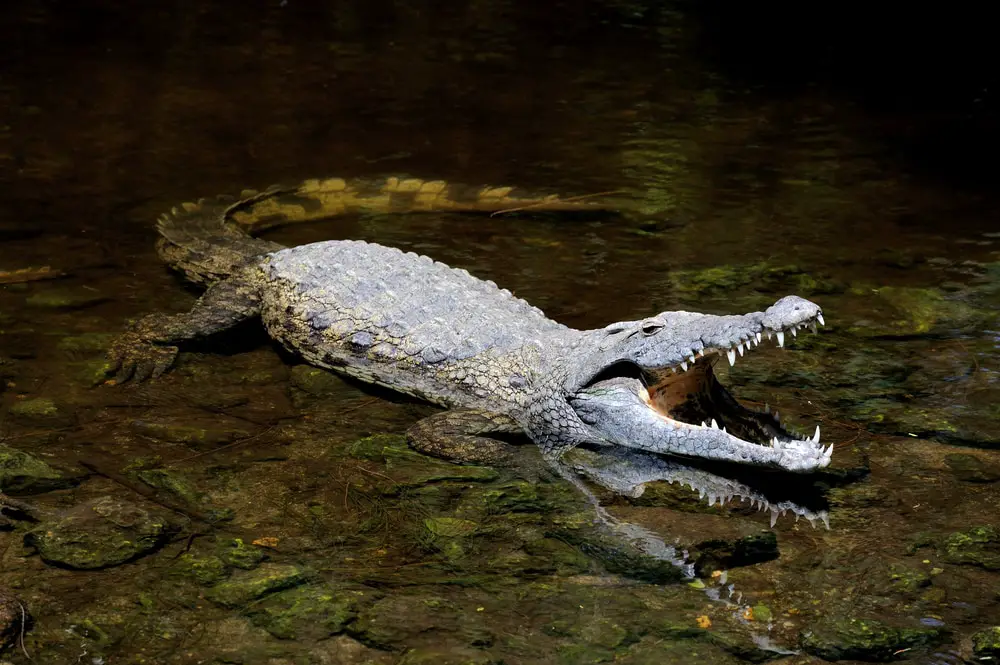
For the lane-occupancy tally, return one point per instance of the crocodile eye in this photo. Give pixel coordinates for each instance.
(651, 327)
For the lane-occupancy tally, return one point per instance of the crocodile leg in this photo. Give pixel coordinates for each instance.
(148, 347)
(456, 435)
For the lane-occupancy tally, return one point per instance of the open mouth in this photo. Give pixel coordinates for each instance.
(684, 409)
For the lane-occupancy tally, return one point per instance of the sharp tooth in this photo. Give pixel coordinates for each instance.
(715, 425)
(781, 338)
(758, 338)
(701, 353)
(740, 348)
(819, 317)
(768, 334)
(723, 428)
(673, 370)
(795, 331)
(774, 518)
(691, 359)
(684, 366)
(815, 438)
(731, 354)
(703, 424)
(776, 416)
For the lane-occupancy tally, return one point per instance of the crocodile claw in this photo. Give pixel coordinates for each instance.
(132, 357)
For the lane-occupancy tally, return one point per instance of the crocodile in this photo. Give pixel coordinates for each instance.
(497, 364)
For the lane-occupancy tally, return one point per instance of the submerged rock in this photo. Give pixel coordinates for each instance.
(978, 546)
(393, 622)
(23, 473)
(309, 612)
(986, 644)
(971, 468)
(843, 638)
(248, 586)
(14, 618)
(104, 532)
(41, 412)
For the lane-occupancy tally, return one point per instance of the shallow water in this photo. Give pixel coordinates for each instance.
(356, 550)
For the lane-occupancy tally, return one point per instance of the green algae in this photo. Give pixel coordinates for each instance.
(23, 473)
(245, 587)
(986, 643)
(100, 533)
(844, 638)
(307, 612)
(977, 546)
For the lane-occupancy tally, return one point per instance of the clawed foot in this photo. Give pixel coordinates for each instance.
(132, 357)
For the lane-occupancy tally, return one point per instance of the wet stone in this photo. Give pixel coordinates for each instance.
(308, 612)
(971, 468)
(13, 616)
(314, 381)
(247, 586)
(66, 299)
(718, 553)
(85, 343)
(395, 621)
(218, 431)
(41, 412)
(986, 644)
(906, 579)
(238, 554)
(612, 552)
(845, 638)
(104, 532)
(978, 546)
(447, 656)
(204, 570)
(23, 473)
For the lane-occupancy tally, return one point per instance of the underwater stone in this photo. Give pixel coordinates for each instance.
(100, 533)
(978, 546)
(247, 586)
(863, 639)
(314, 381)
(971, 469)
(313, 612)
(240, 555)
(23, 473)
(446, 656)
(986, 643)
(40, 411)
(204, 570)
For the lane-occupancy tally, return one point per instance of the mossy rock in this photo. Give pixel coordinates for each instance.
(23, 473)
(314, 381)
(373, 447)
(42, 412)
(101, 533)
(614, 552)
(245, 587)
(986, 643)
(718, 553)
(65, 298)
(863, 639)
(85, 343)
(395, 621)
(978, 546)
(925, 310)
(308, 612)
(447, 656)
(906, 579)
(972, 468)
(208, 434)
(238, 554)
(205, 570)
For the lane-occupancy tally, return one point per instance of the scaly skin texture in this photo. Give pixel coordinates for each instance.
(417, 326)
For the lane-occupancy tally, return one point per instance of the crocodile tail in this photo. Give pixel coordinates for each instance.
(196, 240)
(210, 239)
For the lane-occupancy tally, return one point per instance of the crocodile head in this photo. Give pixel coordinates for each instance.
(651, 386)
